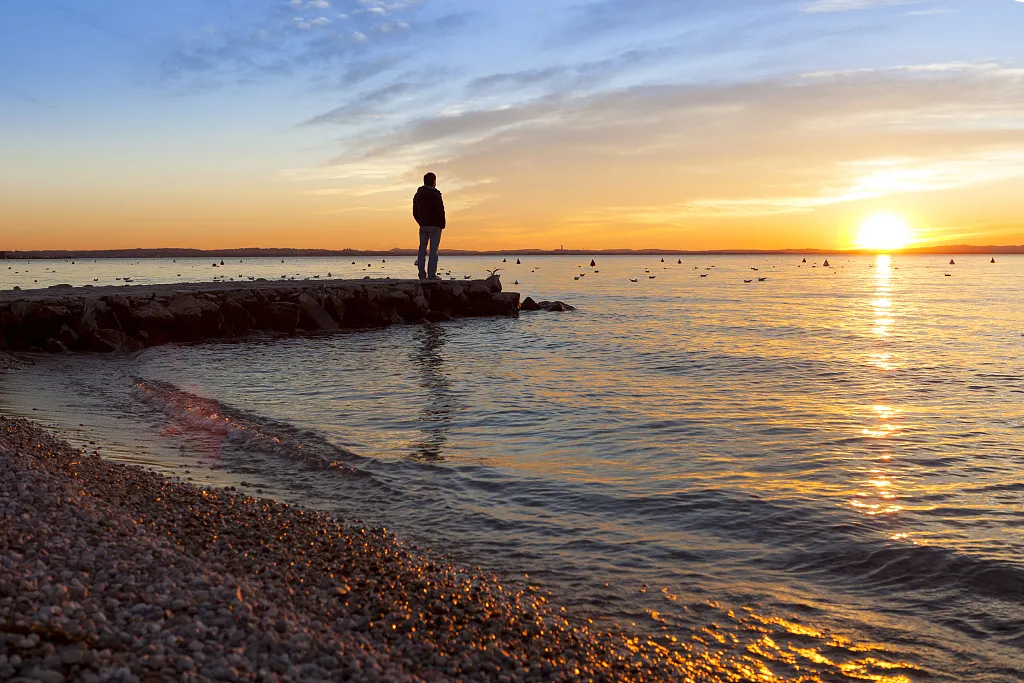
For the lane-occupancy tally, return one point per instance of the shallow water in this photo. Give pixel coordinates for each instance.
(813, 477)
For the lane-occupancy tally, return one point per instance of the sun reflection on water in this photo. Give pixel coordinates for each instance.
(877, 491)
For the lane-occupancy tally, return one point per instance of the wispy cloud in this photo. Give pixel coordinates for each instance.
(852, 5)
(675, 154)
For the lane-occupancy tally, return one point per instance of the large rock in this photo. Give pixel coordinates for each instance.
(68, 337)
(555, 306)
(503, 303)
(96, 315)
(280, 316)
(113, 340)
(529, 305)
(185, 308)
(14, 315)
(335, 304)
(237, 319)
(313, 314)
(153, 313)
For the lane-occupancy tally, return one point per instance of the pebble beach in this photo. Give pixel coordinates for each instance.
(111, 572)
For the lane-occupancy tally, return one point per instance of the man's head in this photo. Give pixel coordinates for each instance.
(430, 180)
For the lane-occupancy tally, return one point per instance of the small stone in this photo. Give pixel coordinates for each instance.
(72, 655)
(49, 676)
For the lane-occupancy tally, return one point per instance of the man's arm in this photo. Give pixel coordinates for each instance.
(416, 208)
(440, 210)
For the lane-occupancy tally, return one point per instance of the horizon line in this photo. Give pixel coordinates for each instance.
(185, 252)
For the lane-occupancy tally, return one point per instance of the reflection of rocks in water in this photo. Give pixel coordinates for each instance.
(440, 401)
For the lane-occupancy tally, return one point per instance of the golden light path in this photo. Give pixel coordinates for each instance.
(884, 232)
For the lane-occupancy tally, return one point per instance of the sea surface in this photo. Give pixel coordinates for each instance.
(814, 477)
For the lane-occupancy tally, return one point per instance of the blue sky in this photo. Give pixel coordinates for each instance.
(624, 122)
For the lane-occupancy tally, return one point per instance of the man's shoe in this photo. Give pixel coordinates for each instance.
(434, 277)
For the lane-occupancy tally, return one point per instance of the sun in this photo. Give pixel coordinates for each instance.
(884, 232)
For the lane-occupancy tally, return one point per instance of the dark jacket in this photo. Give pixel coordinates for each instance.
(428, 207)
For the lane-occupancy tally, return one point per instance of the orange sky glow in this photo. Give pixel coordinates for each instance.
(587, 141)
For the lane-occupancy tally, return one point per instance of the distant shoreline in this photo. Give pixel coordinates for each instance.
(305, 253)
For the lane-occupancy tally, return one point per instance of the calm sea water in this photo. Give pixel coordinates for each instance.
(813, 477)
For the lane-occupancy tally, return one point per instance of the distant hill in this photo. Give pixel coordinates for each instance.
(253, 252)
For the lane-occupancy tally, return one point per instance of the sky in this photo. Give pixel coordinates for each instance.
(678, 124)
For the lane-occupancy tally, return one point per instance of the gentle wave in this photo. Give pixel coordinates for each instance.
(247, 431)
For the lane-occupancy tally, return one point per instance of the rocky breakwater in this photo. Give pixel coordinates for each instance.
(106, 319)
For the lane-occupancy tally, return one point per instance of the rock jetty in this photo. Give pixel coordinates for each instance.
(104, 319)
(109, 572)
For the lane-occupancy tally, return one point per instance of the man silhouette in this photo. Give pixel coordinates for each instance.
(428, 210)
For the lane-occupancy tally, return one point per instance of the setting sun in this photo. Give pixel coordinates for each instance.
(884, 232)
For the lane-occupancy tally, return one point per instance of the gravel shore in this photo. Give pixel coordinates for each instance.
(110, 572)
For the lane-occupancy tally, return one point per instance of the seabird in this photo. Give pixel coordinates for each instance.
(680, 262)
(952, 262)
(662, 260)
(504, 261)
(992, 261)
(825, 263)
(518, 262)
(651, 277)
(703, 274)
(748, 281)
(633, 280)
(761, 279)
(804, 261)
(592, 263)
